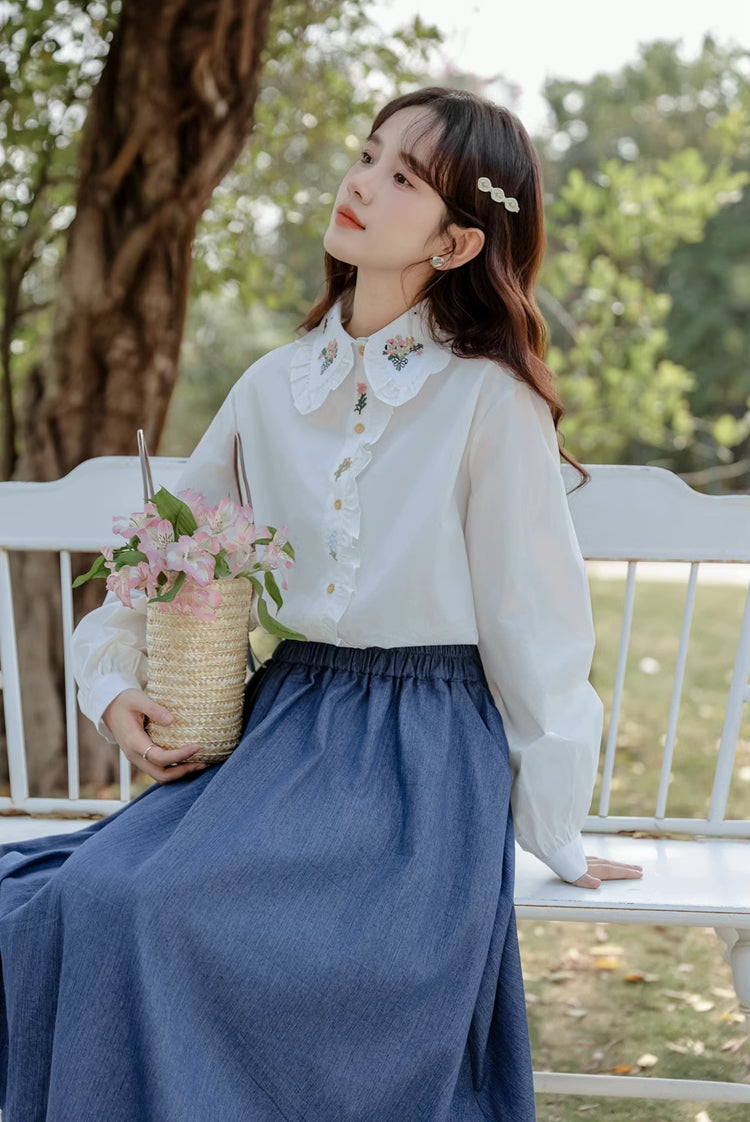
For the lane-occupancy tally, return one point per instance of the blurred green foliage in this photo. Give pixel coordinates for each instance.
(646, 287)
(686, 122)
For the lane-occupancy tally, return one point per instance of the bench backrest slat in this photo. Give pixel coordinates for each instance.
(19, 781)
(676, 698)
(737, 699)
(614, 713)
(71, 720)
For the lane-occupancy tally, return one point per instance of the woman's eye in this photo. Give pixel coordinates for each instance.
(365, 158)
(401, 179)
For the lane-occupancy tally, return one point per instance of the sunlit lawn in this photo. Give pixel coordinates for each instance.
(602, 998)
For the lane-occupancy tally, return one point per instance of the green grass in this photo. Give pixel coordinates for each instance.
(648, 683)
(583, 1012)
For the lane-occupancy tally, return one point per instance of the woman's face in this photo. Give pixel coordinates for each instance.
(385, 219)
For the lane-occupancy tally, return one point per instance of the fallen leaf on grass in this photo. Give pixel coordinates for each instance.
(623, 1069)
(576, 1011)
(607, 962)
(640, 976)
(700, 1004)
(732, 1018)
(723, 992)
(687, 1047)
(734, 1044)
(647, 1060)
(702, 1116)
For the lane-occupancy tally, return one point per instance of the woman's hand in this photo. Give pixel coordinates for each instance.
(124, 719)
(599, 870)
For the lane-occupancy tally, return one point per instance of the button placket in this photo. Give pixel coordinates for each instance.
(342, 519)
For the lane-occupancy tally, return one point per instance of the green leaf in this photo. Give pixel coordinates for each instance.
(272, 626)
(175, 511)
(127, 556)
(272, 589)
(287, 548)
(96, 570)
(257, 586)
(221, 568)
(167, 596)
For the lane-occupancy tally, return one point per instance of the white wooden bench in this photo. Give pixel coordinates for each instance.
(700, 878)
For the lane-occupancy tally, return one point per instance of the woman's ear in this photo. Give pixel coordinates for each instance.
(467, 241)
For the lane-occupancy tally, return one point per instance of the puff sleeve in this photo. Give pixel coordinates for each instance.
(534, 622)
(109, 644)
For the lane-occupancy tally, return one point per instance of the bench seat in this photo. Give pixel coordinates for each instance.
(686, 882)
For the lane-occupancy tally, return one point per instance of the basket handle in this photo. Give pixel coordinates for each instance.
(240, 475)
(147, 481)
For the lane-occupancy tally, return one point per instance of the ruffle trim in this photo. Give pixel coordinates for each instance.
(341, 524)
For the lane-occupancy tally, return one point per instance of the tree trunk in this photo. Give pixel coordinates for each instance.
(172, 110)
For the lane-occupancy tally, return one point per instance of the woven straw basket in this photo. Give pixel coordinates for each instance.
(196, 668)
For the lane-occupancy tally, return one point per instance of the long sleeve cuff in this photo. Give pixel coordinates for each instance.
(568, 862)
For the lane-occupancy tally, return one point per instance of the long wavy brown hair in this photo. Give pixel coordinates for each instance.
(485, 308)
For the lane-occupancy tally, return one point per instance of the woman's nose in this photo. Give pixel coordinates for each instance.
(358, 186)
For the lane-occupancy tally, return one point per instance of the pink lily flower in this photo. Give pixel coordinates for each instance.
(122, 583)
(200, 603)
(197, 503)
(187, 556)
(127, 527)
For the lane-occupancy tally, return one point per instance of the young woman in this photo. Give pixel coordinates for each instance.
(322, 928)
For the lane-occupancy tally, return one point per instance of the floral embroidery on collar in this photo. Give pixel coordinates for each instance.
(345, 464)
(328, 354)
(397, 360)
(398, 349)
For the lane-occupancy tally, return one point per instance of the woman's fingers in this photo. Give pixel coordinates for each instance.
(613, 870)
(164, 764)
(587, 881)
(600, 869)
(154, 710)
(125, 717)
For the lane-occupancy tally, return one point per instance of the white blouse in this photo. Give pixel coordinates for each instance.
(424, 499)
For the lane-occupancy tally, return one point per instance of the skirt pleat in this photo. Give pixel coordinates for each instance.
(319, 929)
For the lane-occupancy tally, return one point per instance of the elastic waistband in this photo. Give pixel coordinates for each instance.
(451, 660)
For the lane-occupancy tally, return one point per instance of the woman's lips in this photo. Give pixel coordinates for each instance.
(346, 217)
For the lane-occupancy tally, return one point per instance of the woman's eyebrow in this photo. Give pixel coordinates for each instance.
(405, 156)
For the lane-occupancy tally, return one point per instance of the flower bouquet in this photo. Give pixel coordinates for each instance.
(200, 570)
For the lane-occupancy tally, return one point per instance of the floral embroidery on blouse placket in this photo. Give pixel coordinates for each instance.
(362, 399)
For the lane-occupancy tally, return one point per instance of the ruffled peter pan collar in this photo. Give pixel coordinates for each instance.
(398, 359)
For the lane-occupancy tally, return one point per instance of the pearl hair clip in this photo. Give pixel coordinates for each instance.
(497, 194)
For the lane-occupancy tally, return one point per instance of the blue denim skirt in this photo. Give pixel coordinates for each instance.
(320, 929)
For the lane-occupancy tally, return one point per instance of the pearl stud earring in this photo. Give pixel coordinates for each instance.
(437, 262)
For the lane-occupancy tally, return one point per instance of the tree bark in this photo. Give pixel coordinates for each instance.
(171, 112)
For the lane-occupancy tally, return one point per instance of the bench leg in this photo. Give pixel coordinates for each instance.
(737, 954)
